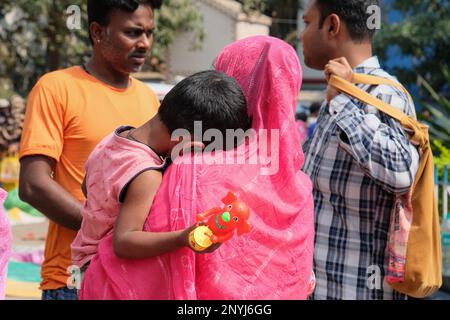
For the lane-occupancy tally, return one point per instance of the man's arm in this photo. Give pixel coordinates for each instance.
(382, 150)
(37, 187)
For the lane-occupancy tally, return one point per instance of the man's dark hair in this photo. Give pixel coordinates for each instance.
(353, 13)
(302, 116)
(315, 107)
(211, 97)
(99, 10)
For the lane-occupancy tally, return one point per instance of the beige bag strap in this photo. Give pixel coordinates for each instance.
(352, 90)
(418, 132)
(368, 79)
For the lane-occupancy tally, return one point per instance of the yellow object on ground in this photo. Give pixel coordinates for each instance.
(20, 289)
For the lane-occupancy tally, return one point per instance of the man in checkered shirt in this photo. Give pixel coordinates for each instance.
(357, 158)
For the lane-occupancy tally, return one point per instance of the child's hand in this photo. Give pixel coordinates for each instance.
(211, 249)
(184, 238)
(338, 67)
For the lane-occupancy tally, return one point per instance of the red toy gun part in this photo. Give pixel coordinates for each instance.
(222, 222)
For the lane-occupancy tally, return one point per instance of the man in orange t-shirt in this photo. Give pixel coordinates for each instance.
(69, 111)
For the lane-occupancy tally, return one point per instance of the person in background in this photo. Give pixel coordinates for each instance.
(301, 119)
(12, 115)
(314, 110)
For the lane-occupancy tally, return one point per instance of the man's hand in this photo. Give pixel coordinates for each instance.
(338, 67)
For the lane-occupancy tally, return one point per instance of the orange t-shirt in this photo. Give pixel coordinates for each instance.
(68, 113)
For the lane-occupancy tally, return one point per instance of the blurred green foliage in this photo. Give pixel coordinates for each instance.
(422, 34)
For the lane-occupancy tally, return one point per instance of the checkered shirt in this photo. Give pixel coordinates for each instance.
(357, 158)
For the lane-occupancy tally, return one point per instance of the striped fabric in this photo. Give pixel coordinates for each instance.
(357, 159)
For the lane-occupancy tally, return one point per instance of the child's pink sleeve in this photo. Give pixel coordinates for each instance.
(126, 173)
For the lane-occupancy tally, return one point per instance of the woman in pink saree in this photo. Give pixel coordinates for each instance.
(274, 260)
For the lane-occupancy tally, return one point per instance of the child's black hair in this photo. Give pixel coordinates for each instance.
(211, 97)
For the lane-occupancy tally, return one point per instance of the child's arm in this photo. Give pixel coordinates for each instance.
(130, 241)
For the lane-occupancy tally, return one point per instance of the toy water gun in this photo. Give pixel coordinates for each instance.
(221, 223)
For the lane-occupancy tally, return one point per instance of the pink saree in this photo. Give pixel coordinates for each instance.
(5, 244)
(274, 260)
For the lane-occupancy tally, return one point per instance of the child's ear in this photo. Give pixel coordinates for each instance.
(196, 146)
(184, 145)
(192, 147)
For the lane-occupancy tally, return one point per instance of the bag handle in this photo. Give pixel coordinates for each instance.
(369, 79)
(350, 89)
(418, 131)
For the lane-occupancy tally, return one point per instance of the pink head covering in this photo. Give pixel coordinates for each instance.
(274, 260)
